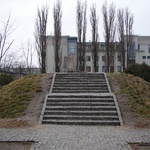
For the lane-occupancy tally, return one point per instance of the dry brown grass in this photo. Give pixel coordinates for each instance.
(15, 97)
(138, 92)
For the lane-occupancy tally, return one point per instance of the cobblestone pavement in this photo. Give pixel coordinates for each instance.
(60, 137)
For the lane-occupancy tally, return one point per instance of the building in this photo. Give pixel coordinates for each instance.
(68, 48)
(142, 49)
(139, 53)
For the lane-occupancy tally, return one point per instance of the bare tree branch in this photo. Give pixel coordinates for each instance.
(129, 19)
(57, 15)
(94, 25)
(4, 44)
(40, 36)
(109, 32)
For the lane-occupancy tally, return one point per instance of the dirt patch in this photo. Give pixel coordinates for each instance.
(32, 114)
(138, 146)
(128, 116)
(15, 145)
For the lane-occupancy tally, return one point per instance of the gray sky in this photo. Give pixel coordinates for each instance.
(24, 13)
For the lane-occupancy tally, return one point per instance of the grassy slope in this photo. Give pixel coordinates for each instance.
(138, 92)
(15, 96)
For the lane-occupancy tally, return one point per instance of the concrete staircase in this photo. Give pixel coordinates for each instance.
(80, 99)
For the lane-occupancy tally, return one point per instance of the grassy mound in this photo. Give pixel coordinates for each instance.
(138, 92)
(15, 96)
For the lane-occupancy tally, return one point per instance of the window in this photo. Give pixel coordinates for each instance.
(72, 48)
(119, 68)
(148, 57)
(102, 47)
(119, 58)
(104, 68)
(103, 58)
(88, 58)
(88, 47)
(138, 46)
(148, 48)
(88, 68)
(144, 57)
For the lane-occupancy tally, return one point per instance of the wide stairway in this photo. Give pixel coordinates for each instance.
(80, 99)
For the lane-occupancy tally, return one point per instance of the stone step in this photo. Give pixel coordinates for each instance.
(79, 85)
(55, 100)
(80, 91)
(80, 88)
(79, 117)
(83, 108)
(80, 74)
(80, 112)
(83, 122)
(80, 80)
(80, 104)
(93, 96)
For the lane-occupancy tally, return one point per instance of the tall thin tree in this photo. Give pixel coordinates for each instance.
(57, 15)
(109, 32)
(94, 25)
(121, 36)
(79, 31)
(84, 33)
(40, 36)
(129, 19)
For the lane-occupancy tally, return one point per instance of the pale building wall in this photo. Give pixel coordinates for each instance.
(144, 43)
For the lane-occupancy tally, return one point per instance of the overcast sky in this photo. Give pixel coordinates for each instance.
(24, 13)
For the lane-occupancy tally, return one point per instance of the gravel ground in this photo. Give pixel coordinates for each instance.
(59, 137)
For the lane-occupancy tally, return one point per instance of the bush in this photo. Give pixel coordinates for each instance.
(5, 79)
(140, 70)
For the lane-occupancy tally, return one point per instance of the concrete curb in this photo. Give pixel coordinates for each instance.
(107, 83)
(52, 83)
(43, 110)
(118, 110)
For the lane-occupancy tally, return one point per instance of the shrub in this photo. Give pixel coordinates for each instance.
(5, 79)
(140, 70)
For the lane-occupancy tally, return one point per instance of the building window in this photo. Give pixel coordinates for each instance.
(103, 58)
(144, 57)
(88, 58)
(88, 68)
(148, 57)
(88, 47)
(119, 68)
(72, 48)
(102, 47)
(148, 48)
(104, 68)
(138, 46)
(119, 58)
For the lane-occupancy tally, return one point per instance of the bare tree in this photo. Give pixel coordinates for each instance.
(5, 44)
(28, 53)
(129, 19)
(121, 36)
(109, 32)
(57, 15)
(84, 33)
(94, 25)
(40, 36)
(79, 31)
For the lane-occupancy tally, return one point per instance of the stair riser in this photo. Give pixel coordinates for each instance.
(79, 101)
(81, 113)
(75, 91)
(83, 123)
(79, 88)
(81, 109)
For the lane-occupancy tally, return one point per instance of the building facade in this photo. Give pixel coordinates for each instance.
(140, 53)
